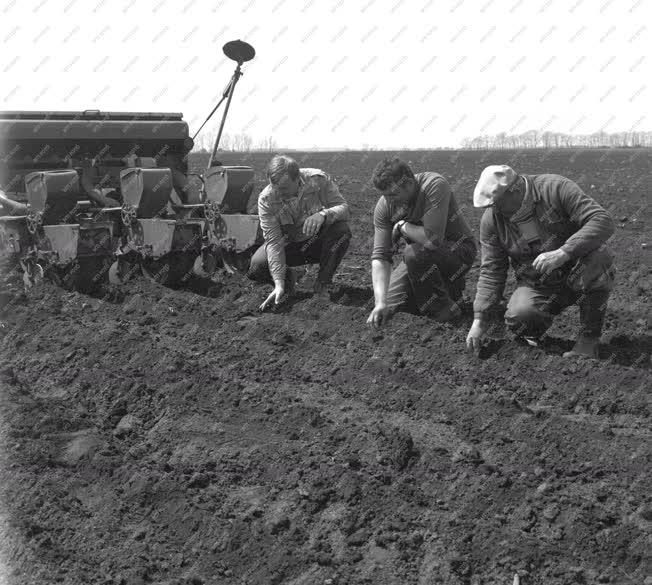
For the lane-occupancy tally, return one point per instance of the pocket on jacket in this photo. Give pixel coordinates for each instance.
(285, 217)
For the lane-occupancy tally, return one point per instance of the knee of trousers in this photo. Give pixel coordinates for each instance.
(417, 259)
(524, 318)
(258, 266)
(593, 272)
(338, 234)
(257, 273)
(343, 232)
(340, 228)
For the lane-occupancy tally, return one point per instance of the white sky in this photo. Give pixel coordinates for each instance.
(328, 73)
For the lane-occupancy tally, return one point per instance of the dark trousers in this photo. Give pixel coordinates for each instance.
(429, 279)
(326, 248)
(532, 307)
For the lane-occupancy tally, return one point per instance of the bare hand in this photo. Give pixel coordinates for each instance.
(313, 224)
(379, 316)
(475, 335)
(549, 261)
(276, 297)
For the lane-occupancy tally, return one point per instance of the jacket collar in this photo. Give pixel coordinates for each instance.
(526, 210)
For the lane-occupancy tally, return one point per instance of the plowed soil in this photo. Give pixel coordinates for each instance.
(182, 437)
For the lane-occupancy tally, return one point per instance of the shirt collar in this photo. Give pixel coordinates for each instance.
(302, 184)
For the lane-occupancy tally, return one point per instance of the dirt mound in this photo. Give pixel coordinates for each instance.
(182, 438)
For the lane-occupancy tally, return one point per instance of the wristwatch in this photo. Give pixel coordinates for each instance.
(401, 223)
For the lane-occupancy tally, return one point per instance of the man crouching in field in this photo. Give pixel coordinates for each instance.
(440, 248)
(304, 219)
(554, 235)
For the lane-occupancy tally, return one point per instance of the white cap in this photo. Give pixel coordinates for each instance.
(494, 180)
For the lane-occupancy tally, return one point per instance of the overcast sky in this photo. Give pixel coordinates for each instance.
(329, 73)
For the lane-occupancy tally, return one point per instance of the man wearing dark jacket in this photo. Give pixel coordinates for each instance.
(554, 235)
(421, 209)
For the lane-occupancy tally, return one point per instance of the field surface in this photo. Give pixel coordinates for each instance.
(182, 437)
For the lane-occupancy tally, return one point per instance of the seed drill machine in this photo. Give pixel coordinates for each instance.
(90, 198)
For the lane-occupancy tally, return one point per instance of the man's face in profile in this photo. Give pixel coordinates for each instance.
(509, 201)
(399, 192)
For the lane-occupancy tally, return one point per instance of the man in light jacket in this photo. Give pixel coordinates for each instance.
(304, 220)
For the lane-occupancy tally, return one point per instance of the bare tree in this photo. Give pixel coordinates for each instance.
(534, 139)
(225, 142)
(241, 142)
(205, 141)
(268, 144)
(546, 139)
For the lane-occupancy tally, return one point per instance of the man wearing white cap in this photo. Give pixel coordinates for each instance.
(554, 235)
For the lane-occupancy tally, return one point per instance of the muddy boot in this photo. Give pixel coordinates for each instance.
(585, 346)
(322, 291)
(593, 307)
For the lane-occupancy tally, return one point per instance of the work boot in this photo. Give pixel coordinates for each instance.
(593, 306)
(322, 290)
(585, 346)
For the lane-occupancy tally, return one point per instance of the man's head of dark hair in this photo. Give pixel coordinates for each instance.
(390, 172)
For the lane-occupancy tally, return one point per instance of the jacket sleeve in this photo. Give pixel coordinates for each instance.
(337, 209)
(595, 224)
(438, 193)
(274, 240)
(493, 268)
(382, 249)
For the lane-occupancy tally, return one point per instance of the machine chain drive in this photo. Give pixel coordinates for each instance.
(34, 220)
